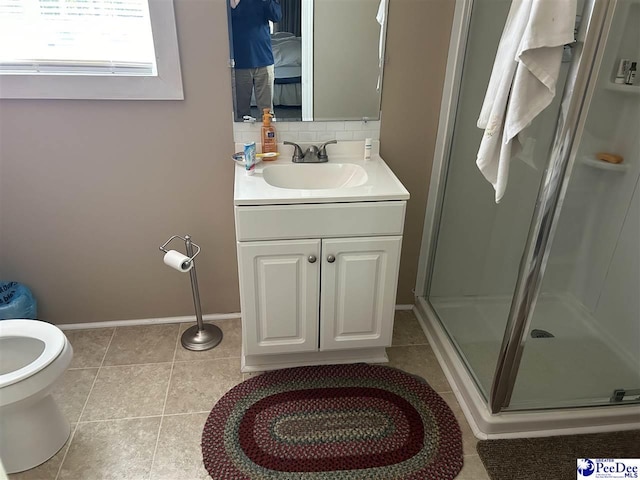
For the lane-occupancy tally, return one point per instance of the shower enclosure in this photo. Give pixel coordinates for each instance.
(533, 304)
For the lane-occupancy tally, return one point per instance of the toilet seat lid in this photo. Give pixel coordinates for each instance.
(52, 337)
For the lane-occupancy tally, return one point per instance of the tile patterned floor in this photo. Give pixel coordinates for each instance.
(138, 401)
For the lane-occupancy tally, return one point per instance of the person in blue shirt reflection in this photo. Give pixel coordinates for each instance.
(252, 52)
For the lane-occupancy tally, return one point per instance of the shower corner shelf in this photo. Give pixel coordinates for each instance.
(623, 88)
(602, 165)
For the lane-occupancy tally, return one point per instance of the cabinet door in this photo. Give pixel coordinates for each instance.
(358, 292)
(279, 294)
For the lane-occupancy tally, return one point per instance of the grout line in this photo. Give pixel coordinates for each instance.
(164, 405)
(113, 334)
(120, 418)
(173, 361)
(207, 359)
(71, 435)
(185, 413)
(142, 417)
(168, 362)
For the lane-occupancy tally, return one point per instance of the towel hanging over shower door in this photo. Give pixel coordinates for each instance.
(523, 80)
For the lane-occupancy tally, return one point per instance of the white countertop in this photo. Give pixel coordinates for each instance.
(381, 182)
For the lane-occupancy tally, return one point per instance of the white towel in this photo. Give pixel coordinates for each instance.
(523, 80)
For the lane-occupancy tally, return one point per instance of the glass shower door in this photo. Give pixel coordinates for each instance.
(583, 347)
(480, 243)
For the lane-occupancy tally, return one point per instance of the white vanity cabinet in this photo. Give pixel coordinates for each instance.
(327, 296)
(318, 258)
(313, 295)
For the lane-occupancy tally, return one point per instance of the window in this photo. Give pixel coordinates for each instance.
(102, 49)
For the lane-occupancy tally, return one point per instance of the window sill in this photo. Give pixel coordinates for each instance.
(90, 87)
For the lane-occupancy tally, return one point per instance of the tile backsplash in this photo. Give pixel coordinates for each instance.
(310, 132)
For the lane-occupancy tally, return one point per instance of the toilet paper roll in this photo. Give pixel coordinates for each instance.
(178, 261)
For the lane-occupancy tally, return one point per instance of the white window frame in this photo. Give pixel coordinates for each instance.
(167, 85)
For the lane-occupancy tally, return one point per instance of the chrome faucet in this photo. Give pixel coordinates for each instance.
(313, 154)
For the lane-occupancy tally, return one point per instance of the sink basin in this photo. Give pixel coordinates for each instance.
(315, 176)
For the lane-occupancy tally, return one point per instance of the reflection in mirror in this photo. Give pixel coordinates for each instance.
(254, 73)
(307, 59)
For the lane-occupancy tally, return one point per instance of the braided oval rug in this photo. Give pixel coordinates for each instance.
(332, 422)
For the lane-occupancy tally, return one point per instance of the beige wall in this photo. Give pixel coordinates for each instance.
(89, 189)
(416, 56)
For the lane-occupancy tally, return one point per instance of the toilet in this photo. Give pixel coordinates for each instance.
(33, 357)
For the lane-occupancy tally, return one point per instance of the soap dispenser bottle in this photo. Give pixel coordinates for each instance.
(269, 139)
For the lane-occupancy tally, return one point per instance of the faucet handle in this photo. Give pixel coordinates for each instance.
(322, 154)
(297, 152)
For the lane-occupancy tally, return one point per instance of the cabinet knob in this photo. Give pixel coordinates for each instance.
(312, 259)
(331, 259)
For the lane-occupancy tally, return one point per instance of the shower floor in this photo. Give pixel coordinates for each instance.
(576, 367)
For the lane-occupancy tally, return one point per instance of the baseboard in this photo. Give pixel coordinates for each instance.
(404, 307)
(147, 321)
(160, 321)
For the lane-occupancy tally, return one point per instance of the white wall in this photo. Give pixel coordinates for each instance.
(618, 307)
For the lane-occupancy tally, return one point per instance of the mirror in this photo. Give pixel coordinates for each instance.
(307, 60)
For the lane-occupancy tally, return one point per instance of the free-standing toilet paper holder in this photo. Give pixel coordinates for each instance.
(202, 336)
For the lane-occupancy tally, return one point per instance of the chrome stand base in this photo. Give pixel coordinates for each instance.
(205, 339)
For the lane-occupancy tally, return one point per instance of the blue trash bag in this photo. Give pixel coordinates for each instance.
(16, 301)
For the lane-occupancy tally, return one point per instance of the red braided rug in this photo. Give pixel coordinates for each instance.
(338, 422)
